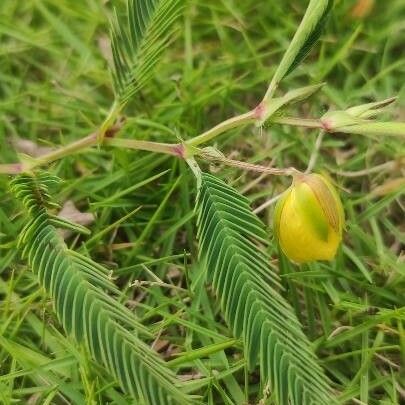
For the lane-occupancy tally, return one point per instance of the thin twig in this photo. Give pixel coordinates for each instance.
(12, 168)
(167, 148)
(315, 153)
(311, 165)
(387, 166)
(298, 122)
(230, 123)
(267, 203)
(289, 171)
(255, 181)
(142, 283)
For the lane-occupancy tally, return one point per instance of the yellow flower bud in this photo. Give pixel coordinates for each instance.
(309, 219)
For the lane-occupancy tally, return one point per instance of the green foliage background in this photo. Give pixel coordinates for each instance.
(55, 87)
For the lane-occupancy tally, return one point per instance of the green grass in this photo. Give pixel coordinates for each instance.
(55, 88)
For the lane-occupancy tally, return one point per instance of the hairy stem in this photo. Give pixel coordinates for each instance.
(289, 171)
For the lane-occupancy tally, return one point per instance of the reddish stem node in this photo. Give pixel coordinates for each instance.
(259, 111)
(179, 150)
(327, 125)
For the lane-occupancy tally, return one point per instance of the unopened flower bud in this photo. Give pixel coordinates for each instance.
(309, 219)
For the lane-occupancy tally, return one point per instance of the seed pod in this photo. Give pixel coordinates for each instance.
(309, 219)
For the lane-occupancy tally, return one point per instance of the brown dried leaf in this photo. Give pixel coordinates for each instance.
(362, 8)
(71, 213)
(29, 148)
(388, 187)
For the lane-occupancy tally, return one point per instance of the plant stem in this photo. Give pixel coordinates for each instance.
(298, 122)
(108, 122)
(171, 149)
(273, 200)
(175, 149)
(12, 168)
(315, 152)
(91, 140)
(289, 171)
(392, 165)
(201, 353)
(73, 147)
(230, 123)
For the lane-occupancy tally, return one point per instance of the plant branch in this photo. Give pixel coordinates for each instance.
(222, 127)
(89, 141)
(202, 352)
(175, 149)
(315, 152)
(298, 122)
(393, 165)
(74, 147)
(184, 150)
(267, 203)
(217, 157)
(171, 149)
(12, 168)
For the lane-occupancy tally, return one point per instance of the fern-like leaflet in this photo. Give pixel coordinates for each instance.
(81, 291)
(229, 234)
(138, 47)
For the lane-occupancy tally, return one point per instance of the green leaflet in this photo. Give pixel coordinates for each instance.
(274, 105)
(321, 14)
(305, 37)
(138, 43)
(80, 289)
(229, 236)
